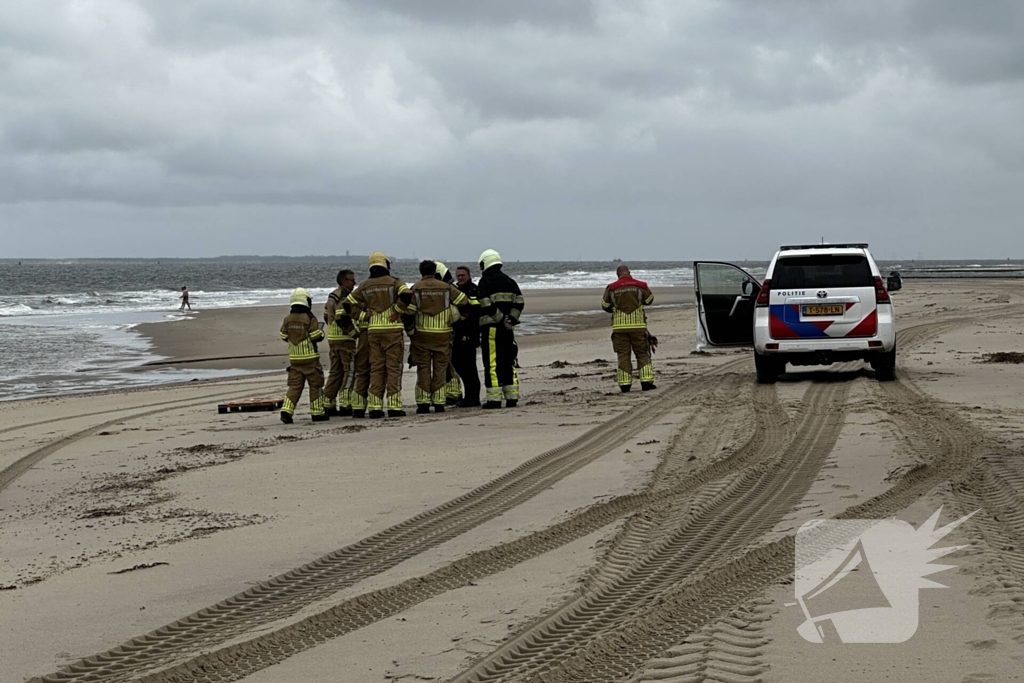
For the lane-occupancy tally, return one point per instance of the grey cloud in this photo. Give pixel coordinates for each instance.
(689, 123)
(558, 14)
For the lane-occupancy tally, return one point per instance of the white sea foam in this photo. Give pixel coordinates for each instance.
(577, 279)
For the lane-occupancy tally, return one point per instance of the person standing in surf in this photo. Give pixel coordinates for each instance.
(184, 299)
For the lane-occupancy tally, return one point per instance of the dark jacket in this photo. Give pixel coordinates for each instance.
(466, 332)
(500, 298)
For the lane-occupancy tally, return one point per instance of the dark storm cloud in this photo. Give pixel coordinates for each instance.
(694, 125)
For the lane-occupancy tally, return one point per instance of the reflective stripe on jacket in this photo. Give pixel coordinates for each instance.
(301, 330)
(625, 299)
(338, 328)
(434, 303)
(378, 299)
(499, 297)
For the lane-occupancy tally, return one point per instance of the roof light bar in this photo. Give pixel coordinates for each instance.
(792, 247)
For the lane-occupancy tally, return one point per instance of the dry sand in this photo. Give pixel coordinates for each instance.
(655, 545)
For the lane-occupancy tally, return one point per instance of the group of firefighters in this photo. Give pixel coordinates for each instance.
(446, 318)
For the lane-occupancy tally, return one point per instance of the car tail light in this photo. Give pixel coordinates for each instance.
(762, 296)
(771, 347)
(874, 343)
(881, 295)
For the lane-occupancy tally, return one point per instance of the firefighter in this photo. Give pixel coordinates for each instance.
(382, 299)
(501, 304)
(302, 332)
(465, 342)
(625, 299)
(430, 315)
(443, 274)
(453, 387)
(361, 365)
(341, 336)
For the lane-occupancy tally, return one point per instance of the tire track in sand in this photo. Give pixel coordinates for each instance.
(235, 382)
(286, 594)
(11, 473)
(750, 504)
(693, 604)
(623, 506)
(236, 661)
(993, 483)
(731, 649)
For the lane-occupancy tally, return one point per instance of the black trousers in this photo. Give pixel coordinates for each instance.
(498, 352)
(464, 360)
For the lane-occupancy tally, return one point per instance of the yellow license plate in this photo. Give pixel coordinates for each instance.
(823, 309)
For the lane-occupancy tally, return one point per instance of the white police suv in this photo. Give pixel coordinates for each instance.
(818, 305)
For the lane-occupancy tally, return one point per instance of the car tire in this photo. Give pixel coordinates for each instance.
(768, 369)
(884, 365)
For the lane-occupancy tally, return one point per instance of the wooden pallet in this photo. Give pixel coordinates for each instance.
(250, 405)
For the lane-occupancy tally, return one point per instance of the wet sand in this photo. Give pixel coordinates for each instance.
(246, 337)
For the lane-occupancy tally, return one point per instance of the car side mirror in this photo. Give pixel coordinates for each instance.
(748, 288)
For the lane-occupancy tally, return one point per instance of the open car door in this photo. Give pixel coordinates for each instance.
(725, 296)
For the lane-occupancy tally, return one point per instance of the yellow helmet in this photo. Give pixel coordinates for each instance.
(489, 258)
(442, 270)
(300, 297)
(379, 258)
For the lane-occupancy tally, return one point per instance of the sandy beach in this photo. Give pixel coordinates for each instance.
(225, 339)
(586, 536)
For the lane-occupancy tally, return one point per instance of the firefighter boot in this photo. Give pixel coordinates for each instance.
(422, 408)
(286, 418)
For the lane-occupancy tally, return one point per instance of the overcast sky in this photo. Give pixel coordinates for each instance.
(546, 129)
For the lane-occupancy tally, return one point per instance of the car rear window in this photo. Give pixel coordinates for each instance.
(796, 272)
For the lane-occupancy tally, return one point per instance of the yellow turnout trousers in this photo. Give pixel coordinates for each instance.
(301, 373)
(626, 344)
(432, 354)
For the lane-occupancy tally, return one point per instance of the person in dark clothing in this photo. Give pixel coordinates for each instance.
(501, 304)
(465, 342)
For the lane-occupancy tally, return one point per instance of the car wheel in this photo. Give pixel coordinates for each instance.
(884, 365)
(768, 369)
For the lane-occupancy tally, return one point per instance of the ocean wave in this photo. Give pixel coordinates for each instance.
(14, 309)
(139, 301)
(578, 279)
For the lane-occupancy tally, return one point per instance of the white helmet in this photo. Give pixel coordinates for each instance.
(300, 297)
(489, 258)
